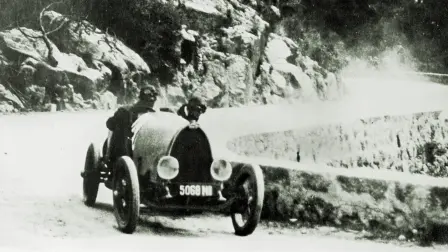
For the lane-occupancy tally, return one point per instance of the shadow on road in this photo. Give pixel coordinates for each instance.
(150, 222)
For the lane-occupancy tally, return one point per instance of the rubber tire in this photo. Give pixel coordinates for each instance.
(91, 180)
(256, 173)
(129, 225)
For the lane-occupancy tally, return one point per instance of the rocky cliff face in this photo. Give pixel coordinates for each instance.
(234, 56)
(230, 54)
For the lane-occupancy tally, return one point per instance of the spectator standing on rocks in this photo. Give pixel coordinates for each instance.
(58, 98)
(298, 154)
(184, 78)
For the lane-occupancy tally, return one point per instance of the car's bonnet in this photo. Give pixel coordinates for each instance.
(153, 134)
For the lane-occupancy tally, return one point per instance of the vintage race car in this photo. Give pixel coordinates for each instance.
(171, 167)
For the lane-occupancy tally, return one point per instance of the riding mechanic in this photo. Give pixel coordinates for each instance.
(192, 110)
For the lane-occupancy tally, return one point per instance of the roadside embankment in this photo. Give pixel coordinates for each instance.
(380, 196)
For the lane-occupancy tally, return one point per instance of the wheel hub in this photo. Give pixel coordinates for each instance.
(120, 195)
(244, 203)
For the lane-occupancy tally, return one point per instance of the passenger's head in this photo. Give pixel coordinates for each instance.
(148, 94)
(196, 107)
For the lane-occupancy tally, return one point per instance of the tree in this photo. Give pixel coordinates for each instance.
(25, 12)
(45, 33)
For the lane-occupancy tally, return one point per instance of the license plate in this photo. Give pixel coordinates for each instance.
(196, 190)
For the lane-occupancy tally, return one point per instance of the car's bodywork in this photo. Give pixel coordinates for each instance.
(170, 166)
(164, 134)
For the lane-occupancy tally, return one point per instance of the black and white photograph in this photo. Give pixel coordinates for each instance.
(224, 125)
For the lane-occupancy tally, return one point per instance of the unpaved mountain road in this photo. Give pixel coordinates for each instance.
(42, 154)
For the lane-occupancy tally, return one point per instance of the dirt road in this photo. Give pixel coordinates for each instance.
(42, 154)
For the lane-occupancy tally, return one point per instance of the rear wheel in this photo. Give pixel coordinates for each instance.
(246, 210)
(91, 175)
(126, 195)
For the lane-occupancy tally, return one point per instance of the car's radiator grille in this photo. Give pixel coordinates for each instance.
(192, 149)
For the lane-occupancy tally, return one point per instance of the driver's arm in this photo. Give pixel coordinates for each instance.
(114, 120)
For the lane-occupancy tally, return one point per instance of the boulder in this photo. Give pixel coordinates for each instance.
(210, 7)
(277, 53)
(248, 18)
(84, 80)
(239, 41)
(95, 45)
(205, 16)
(71, 69)
(232, 74)
(106, 100)
(25, 42)
(277, 50)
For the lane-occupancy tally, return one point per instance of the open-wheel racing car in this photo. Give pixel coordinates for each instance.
(169, 167)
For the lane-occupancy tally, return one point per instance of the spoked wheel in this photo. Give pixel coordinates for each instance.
(91, 175)
(126, 195)
(246, 210)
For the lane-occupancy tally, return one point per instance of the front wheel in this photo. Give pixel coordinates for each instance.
(91, 175)
(246, 210)
(126, 195)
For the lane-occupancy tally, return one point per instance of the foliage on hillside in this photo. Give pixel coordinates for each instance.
(369, 27)
(326, 29)
(148, 27)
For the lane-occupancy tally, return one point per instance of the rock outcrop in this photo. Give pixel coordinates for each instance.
(98, 49)
(89, 63)
(237, 58)
(230, 51)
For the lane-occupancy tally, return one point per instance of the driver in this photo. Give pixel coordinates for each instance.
(120, 124)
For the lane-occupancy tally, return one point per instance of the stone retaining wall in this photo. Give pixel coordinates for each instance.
(387, 204)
